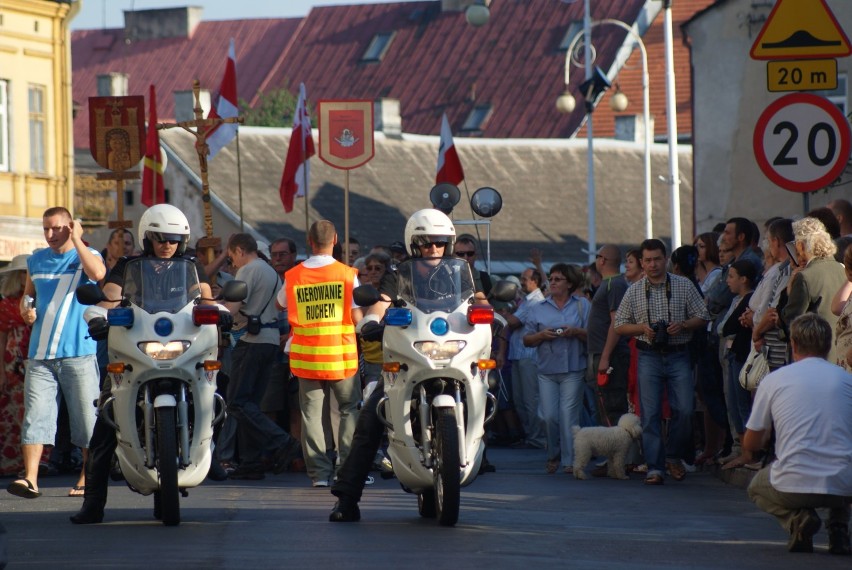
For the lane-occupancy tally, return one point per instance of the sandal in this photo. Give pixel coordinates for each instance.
(676, 470)
(655, 479)
(77, 491)
(26, 489)
(551, 466)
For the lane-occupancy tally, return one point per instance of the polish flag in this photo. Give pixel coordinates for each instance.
(219, 136)
(449, 167)
(153, 190)
(297, 167)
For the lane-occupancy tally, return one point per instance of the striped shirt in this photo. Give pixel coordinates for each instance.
(59, 330)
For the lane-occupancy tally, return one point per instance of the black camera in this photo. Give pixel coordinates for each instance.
(661, 335)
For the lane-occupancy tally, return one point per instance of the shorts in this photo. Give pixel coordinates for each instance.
(77, 377)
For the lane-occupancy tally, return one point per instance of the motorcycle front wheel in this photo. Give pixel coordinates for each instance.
(447, 467)
(167, 459)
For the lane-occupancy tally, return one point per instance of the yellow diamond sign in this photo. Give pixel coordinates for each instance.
(804, 29)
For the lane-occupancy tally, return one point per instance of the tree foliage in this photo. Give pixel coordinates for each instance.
(274, 109)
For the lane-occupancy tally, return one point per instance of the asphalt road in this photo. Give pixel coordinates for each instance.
(515, 518)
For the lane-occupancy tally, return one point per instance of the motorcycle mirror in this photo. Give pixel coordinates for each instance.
(365, 295)
(89, 294)
(486, 202)
(234, 291)
(444, 196)
(504, 290)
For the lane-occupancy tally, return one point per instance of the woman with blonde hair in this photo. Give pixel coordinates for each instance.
(816, 277)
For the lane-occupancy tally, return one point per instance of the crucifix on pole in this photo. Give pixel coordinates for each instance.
(209, 242)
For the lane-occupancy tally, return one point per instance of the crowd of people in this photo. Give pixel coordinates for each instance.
(664, 336)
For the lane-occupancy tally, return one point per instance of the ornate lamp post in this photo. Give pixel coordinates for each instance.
(566, 104)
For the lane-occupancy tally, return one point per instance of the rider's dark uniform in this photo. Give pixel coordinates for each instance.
(103, 442)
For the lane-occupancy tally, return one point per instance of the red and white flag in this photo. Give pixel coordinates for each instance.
(297, 167)
(219, 136)
(153, 191)
(449, 167)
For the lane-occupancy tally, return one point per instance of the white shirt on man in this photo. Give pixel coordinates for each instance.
(809, 404)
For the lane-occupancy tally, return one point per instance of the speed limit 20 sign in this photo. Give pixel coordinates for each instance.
(802, 142)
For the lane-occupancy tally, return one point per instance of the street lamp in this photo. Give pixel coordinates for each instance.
(477, 14)
(566, 104)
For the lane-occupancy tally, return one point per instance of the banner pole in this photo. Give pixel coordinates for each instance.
(346, 222)
(240, 184)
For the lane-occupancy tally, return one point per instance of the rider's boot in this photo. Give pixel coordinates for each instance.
(98, 465)
(345, 510)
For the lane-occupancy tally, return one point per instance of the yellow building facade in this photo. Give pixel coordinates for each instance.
(36, 139)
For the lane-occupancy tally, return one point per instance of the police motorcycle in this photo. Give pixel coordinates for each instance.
(162, 348)
(436, 360)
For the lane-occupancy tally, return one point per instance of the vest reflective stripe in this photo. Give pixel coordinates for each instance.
(340, 366)
(324, 350)
(319, 302)
(320, 330)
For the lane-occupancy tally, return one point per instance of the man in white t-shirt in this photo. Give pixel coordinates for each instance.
(809, 405)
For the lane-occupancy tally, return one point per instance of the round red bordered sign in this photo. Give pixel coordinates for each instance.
(802, 142)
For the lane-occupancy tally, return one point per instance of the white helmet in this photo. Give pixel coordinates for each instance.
(163, 222)
(426, 226)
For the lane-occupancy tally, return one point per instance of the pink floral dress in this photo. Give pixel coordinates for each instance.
(12, 394)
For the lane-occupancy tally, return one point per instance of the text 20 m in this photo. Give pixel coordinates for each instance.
(801, 75)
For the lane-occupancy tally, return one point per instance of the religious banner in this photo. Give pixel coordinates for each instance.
(346, 133)
(117, 131)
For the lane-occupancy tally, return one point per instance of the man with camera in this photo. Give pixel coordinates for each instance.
(662, 310)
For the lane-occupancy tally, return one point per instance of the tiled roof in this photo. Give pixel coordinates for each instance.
(542, 182)
(171, 64)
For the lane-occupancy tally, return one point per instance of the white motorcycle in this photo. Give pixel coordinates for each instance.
(436, 348)
(163, 365)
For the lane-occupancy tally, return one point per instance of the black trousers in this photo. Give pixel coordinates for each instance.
(365, 443)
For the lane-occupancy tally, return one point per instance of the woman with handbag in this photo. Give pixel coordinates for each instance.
(741, 277)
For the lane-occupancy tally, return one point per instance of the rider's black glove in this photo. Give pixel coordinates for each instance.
(98, 328)
(372, 331)
(226, 321)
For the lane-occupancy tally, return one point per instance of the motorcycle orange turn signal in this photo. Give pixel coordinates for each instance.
(211, 365)
(116, 367)
(391, 366)
(486, 364)
(480, 315)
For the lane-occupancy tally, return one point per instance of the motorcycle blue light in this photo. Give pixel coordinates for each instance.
(398, 317)
(120, 317)
(163, 327)
(439, 326)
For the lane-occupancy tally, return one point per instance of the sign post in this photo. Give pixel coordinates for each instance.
(346, 142)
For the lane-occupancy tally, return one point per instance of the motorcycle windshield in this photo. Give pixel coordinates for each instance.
(434, 285)
(160, 285)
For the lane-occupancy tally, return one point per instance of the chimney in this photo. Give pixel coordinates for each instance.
(161, 23)
(112, 85)
(388, 118)
(185, 104)
(631, 128)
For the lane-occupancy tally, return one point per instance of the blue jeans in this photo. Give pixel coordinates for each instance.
(738, 399)
(671, 372)
(561, 401)
(78, 378)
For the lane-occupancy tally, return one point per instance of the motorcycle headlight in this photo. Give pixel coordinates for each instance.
(439, 351)
(160, 351)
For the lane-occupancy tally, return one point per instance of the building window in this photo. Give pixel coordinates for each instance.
(477, 118)
(574, 28)
(38, 123)
(4, 125)
(378, 47)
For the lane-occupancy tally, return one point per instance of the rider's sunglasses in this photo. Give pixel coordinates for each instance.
(161, 237)
(465, 253)
(427, 241)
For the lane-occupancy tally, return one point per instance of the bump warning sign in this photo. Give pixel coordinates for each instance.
(804, 29)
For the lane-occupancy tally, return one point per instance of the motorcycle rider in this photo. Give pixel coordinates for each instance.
(429, 234)
(164, 233)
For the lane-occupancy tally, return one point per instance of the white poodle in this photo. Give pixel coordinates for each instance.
(613, 442)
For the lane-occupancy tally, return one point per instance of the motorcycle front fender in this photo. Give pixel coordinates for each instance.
(165, 401)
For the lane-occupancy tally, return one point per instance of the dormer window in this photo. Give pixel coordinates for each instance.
(574, 28)
(378, 47)
(477, 118)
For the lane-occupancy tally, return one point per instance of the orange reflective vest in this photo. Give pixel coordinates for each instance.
(319, 308)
